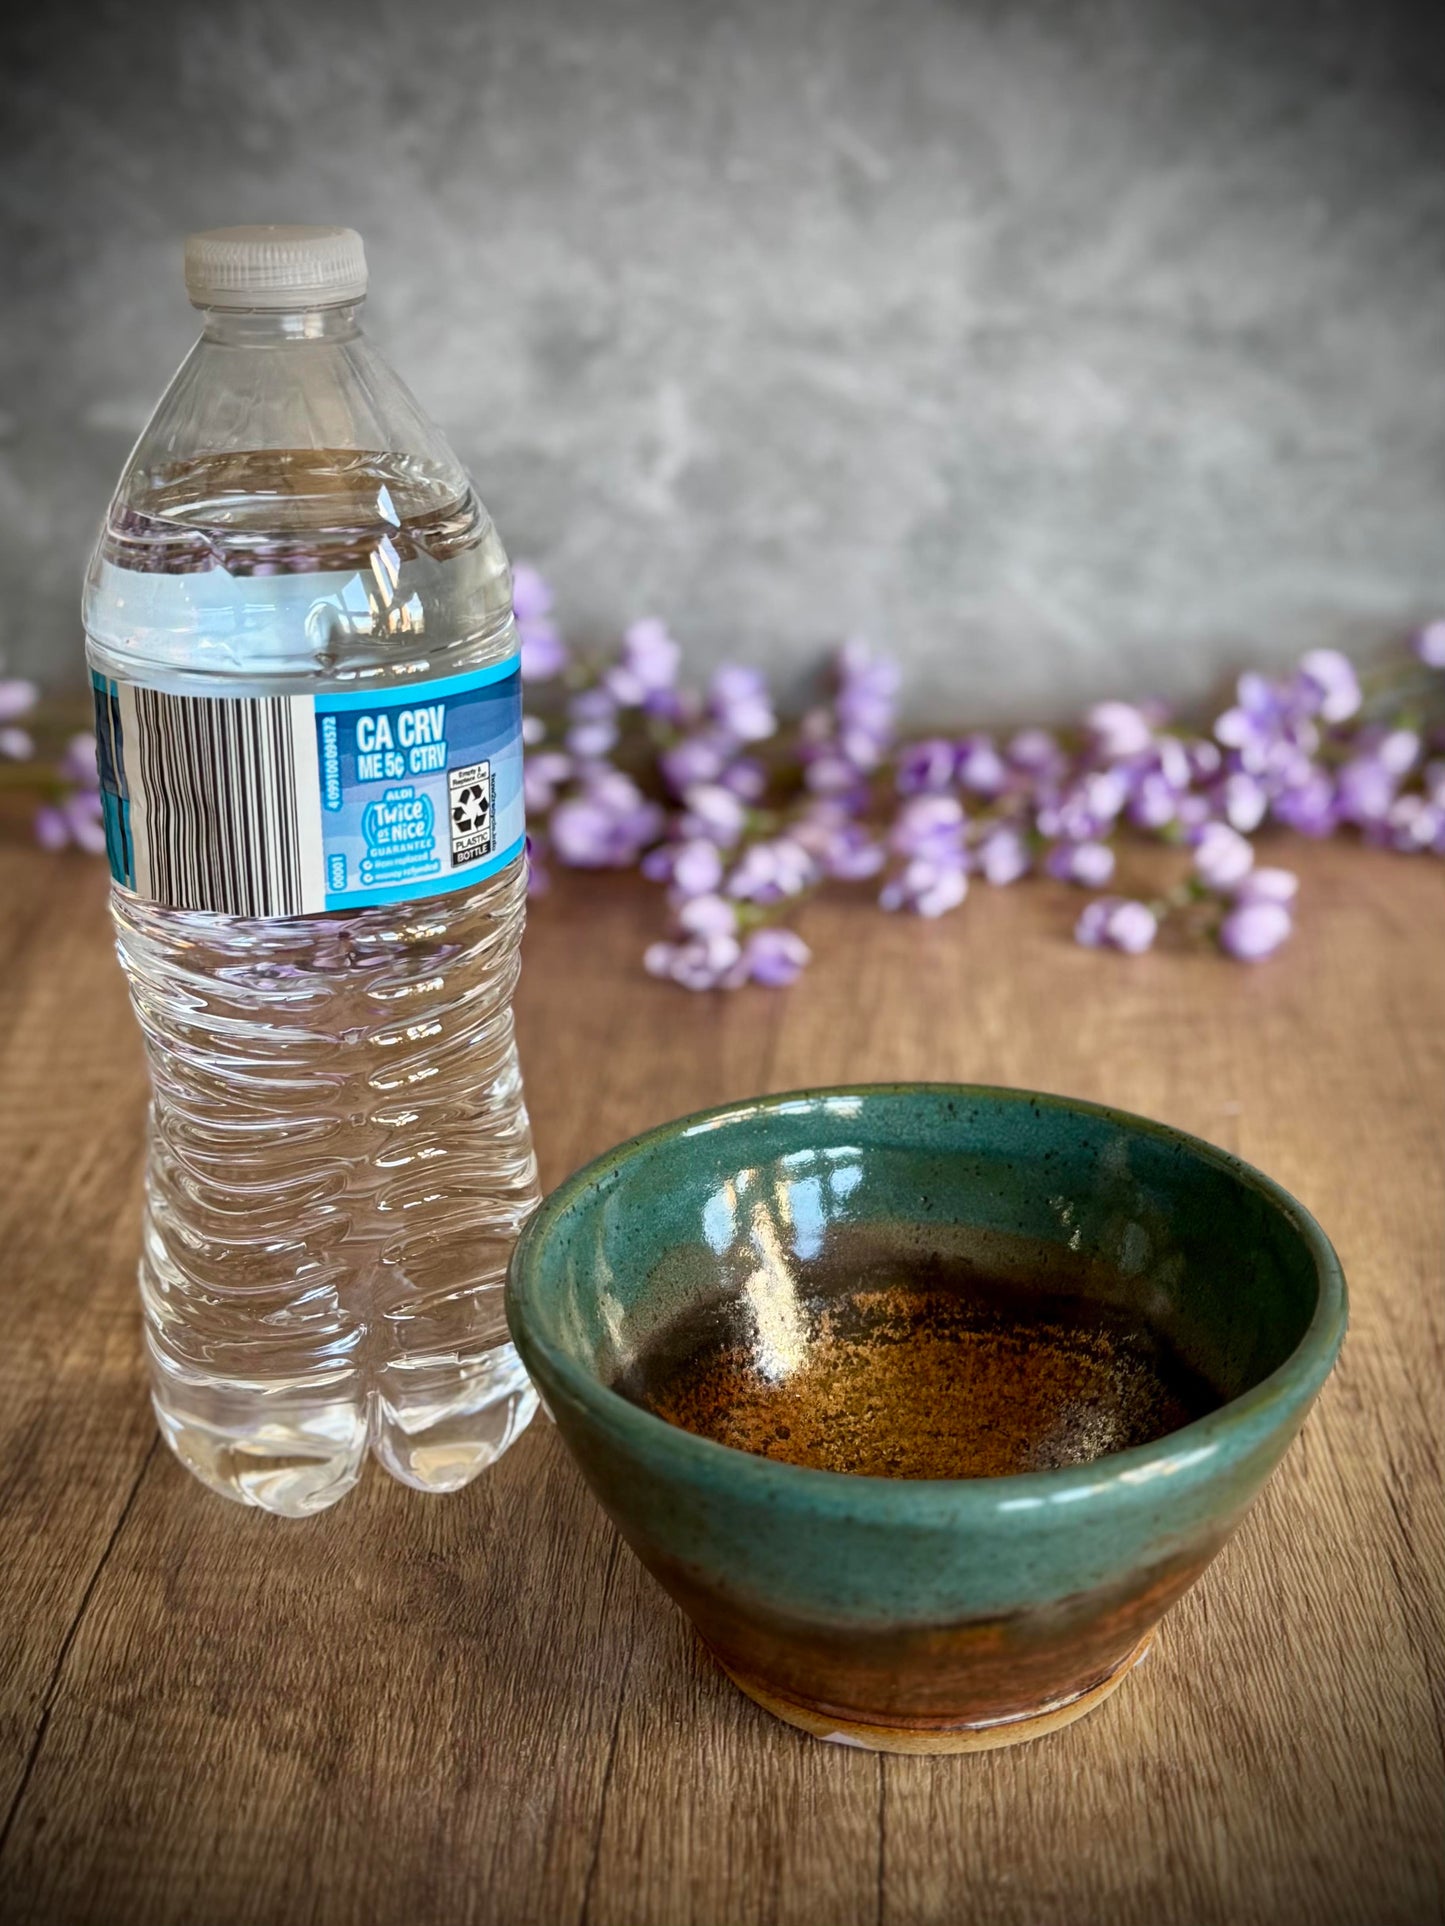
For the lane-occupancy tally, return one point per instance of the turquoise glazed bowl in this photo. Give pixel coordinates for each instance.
(925, 1614)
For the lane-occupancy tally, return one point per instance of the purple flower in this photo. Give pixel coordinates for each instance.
(1257, 693)
(1155, 801)
(594, 724)
(1272, 736)
(694, 868)
(1222, 858)
(926, 767)
(745, 778)
(607, 826)
(1085, 811)
(544, 654)
(650, 653)
(1103, 793)
(1256, 718)
(539, 879)
(769, 871)
(648, 666)
(863, 749)
(18, 744)
(51, 829)
(1090, 864)
(1328, 684)
(739, 701)
(832, 775)
(1254, 929)
(1268, 885)
(860, 727)
(695, 759)
(928, 886)
(1244, 801)
(1285, 763)
(583, 834)
(1414, 824)
(841, 847)
(852, 855)
(867, 688)
(1157, 781)
(928, 831)
(1429, 645)
(709, 915)
(1194, 812)
(1201, 761)
(981, 769)
(1117, 923)
(1309, 807)
(531, 597)
(1092, 929)
(1003, 855)
(1036, 751)
(776, 957)
(713, 812)
(1366, 789)
(697, 867)
(1398, 751)
(78, 764)
(680, 707)
(701, 963)
(1132, 928)
(17, 698)
(84, 822)
(542, 776)
(929, 826)
(1119, 730)
(590, 740)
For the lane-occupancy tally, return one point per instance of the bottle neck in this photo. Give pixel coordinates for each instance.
(275, 328)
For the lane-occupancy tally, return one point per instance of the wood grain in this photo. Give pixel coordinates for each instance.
(478, 1709)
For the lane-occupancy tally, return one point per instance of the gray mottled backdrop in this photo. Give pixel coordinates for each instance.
(1063, 348)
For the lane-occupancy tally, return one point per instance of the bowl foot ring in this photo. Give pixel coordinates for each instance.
(958, 1738)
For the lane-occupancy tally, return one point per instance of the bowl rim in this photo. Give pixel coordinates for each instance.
(1196, 1449)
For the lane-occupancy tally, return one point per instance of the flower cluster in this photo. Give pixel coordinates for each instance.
(739, 816)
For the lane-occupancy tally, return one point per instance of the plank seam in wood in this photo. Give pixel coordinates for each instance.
(607, 1594)
(52, 1686)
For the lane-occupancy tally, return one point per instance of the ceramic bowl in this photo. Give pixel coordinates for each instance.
(925, 1614)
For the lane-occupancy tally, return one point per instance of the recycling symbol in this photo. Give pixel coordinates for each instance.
(469, 809)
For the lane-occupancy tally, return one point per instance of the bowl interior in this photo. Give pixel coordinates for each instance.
(759, 1207)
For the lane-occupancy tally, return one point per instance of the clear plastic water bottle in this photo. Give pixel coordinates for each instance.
(308, 707)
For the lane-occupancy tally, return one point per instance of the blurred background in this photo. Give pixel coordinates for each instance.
(1062, 349)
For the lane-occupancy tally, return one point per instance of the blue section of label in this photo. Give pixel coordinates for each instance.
(508, 670)
(421, 787)
(114, 791)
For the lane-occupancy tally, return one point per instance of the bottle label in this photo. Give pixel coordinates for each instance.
(269, 806)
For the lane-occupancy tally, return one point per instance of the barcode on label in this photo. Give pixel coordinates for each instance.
(222, 801)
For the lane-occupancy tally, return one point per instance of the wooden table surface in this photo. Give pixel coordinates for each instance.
(477, 1708)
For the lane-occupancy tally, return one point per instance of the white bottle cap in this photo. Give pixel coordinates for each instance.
(275, 267)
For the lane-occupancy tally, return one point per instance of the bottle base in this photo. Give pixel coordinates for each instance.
(296, 1463)
(442, 1440)
(293, 1469)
